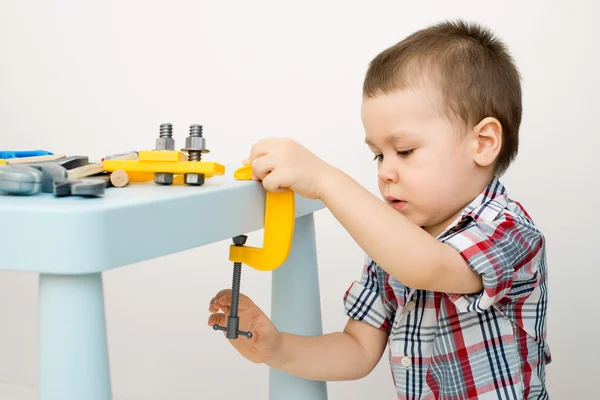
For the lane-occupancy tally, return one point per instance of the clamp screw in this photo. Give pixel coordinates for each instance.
(233, 319)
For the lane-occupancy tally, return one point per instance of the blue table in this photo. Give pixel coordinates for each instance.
(71, 241)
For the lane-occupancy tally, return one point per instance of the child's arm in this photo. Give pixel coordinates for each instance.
(346, 355)
(401, 248)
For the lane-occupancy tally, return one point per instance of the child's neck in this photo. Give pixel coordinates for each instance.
(435, 230)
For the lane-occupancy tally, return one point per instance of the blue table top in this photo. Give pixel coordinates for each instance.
(76, 235)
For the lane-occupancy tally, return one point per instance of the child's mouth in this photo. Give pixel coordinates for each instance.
(395, 203)
(398, 204)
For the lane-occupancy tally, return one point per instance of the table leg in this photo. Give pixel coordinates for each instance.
(296, 308)
(73, 354)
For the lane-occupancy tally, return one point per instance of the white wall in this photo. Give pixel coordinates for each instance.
(97, 78)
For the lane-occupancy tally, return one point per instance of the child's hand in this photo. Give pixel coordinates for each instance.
(284, 163)
(266, 339)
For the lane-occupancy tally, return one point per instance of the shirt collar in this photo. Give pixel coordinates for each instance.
(484, 208)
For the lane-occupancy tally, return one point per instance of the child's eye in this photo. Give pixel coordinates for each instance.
(378, 157)
(405, 153)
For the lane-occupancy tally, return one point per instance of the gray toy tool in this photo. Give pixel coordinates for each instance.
(23, 181)
(67, 162)
(80, 187)
(32, 178)
(56, 170)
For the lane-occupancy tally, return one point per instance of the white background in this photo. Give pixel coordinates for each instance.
(97, 78)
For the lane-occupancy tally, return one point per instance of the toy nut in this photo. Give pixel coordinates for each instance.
(194, 179)
(165, 143)
(197, 143)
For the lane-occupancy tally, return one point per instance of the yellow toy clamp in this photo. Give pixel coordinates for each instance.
(278, 231)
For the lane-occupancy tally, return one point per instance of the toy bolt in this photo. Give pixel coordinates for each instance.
(195, 145)
(233, 320)
(165, 141)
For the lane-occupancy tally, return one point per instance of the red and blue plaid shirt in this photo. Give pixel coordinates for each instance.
(490, 345)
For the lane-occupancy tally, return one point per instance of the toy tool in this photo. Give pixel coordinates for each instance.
(48, 177)
(130, 155)
(277, 242)
(278, 232)
(79, 187)
(164, 162)
(33, 159)
(23, 181)
(6, 155)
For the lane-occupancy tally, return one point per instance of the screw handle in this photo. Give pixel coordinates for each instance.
(232, 331)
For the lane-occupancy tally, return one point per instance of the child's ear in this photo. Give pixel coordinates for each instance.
(487, 136)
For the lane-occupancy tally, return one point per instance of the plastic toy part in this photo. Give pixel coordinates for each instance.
(129, 155)
(27, 153)
(29, 160)
(162, 161)
(148, 176)
(50, 177)
(90, 187)
(56, 170)
(20, 181)
(244, 173)
(278, 231)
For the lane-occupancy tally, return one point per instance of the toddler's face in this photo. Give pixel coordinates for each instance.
(423, 161)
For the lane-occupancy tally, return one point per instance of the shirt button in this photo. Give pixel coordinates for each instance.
(405, 361)
(410, 306)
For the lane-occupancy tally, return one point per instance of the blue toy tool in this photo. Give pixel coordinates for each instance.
(6, 155)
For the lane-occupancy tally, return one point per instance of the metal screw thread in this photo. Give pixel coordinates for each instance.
(166, 130)
(194, 155)
(196, 130)
(235, 292)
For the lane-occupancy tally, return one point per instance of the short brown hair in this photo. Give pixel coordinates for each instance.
(470, 67)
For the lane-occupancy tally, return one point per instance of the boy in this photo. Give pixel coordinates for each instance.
(455, 277)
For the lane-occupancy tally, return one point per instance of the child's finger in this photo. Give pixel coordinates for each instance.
(275, 182)
(259, 149)
(244, 302)
(221, 293)
(214, 307)
(219, 319)
(217, 306)
(263, 166)
(226, 310)
(211, 305)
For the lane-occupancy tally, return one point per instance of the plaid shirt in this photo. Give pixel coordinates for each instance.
(489, 345)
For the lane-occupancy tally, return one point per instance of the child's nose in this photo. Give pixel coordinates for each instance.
(387, 173)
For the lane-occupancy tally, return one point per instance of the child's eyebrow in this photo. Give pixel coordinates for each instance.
(392, 138)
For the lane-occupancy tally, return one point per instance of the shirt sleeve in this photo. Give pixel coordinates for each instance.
(365, 299)
(506, 253)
